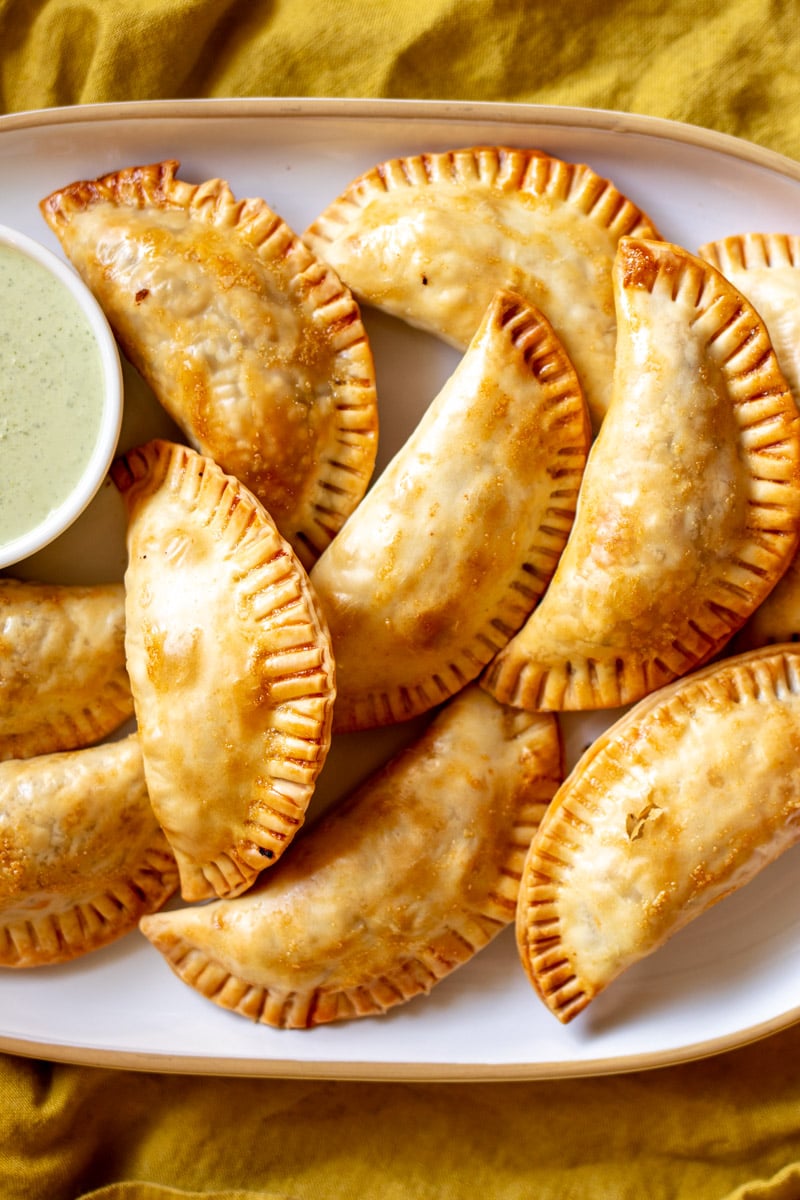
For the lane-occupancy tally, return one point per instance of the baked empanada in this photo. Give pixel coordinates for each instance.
(63, 682)
(777, 619)
(431, 238)
(454, 544)
(251, 344)
(81, 855)
(394, 888)
(680, 803)
(688, 511)
(230, 667)
(766, 268)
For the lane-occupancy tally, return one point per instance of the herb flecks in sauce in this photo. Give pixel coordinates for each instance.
(51, 393)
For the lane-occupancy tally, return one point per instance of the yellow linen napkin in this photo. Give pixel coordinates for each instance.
(727, 1127)
(728, 66)
(695, 1132)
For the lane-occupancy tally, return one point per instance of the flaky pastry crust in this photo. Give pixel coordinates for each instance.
(690, 503)
(680, 803)
(251, 344)
(63, 682)
(453, 546)
(766, 268)
(393, 889)
(431, 237)
(230, 667)
(81, 855)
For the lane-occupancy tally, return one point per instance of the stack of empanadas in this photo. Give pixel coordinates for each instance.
(498, 572)
(689, 507)
(395, 887)
(83, 856)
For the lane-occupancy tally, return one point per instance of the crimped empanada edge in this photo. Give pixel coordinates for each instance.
(544, 952)
(305, 694)
(107, 710)
(91, 924)
(540, 347)
(300, 1009)
(344, 469)
(461, 936)
(505, 168)
(769, 427)
(750, 251)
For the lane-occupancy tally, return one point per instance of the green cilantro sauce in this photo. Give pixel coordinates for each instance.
(51, 393)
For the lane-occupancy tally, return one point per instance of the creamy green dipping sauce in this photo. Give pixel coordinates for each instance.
(51, 393)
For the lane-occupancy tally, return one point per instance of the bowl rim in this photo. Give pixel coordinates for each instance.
(63, 515)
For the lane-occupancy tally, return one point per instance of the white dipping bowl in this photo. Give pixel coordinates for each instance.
(67, 507)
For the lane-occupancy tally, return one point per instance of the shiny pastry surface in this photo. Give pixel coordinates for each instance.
(252, 345)
(677, 805)
(396, 886)
(430, 238)
(454, 544)
(230, 667)
(82, 858)
(63, 681)
(690, 503)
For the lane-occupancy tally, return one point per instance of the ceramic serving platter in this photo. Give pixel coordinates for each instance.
(727, 979)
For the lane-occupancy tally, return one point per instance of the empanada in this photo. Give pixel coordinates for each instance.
(394, 888)
(689, 506)
(230, 667)
(63, 682)
(431, 238)
(452, 547)
(680, 803)
(766, 268)
(251, 344)
(81, 855)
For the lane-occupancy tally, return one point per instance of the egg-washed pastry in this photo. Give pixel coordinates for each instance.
(230, 667)
(430, 238)
(777, 619)
(251, 344)
(451, 548)
(766, 268)
(689, 506)
(82, 855)
(683, 801)
(399, 884)
(63, 682)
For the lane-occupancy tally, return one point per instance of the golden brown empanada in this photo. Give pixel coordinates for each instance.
(230, 667)
(688, 511)
(765, 267)
(777, 619)
(452, 547)
(681, 802)
(432, 237)
(254, 347)
(81, 855)
(399, 884)
(63, 682)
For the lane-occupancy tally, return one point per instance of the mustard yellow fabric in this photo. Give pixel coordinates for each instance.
(731, 66)
(728, 1127)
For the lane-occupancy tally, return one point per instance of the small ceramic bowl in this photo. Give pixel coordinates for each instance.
(89, 475)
